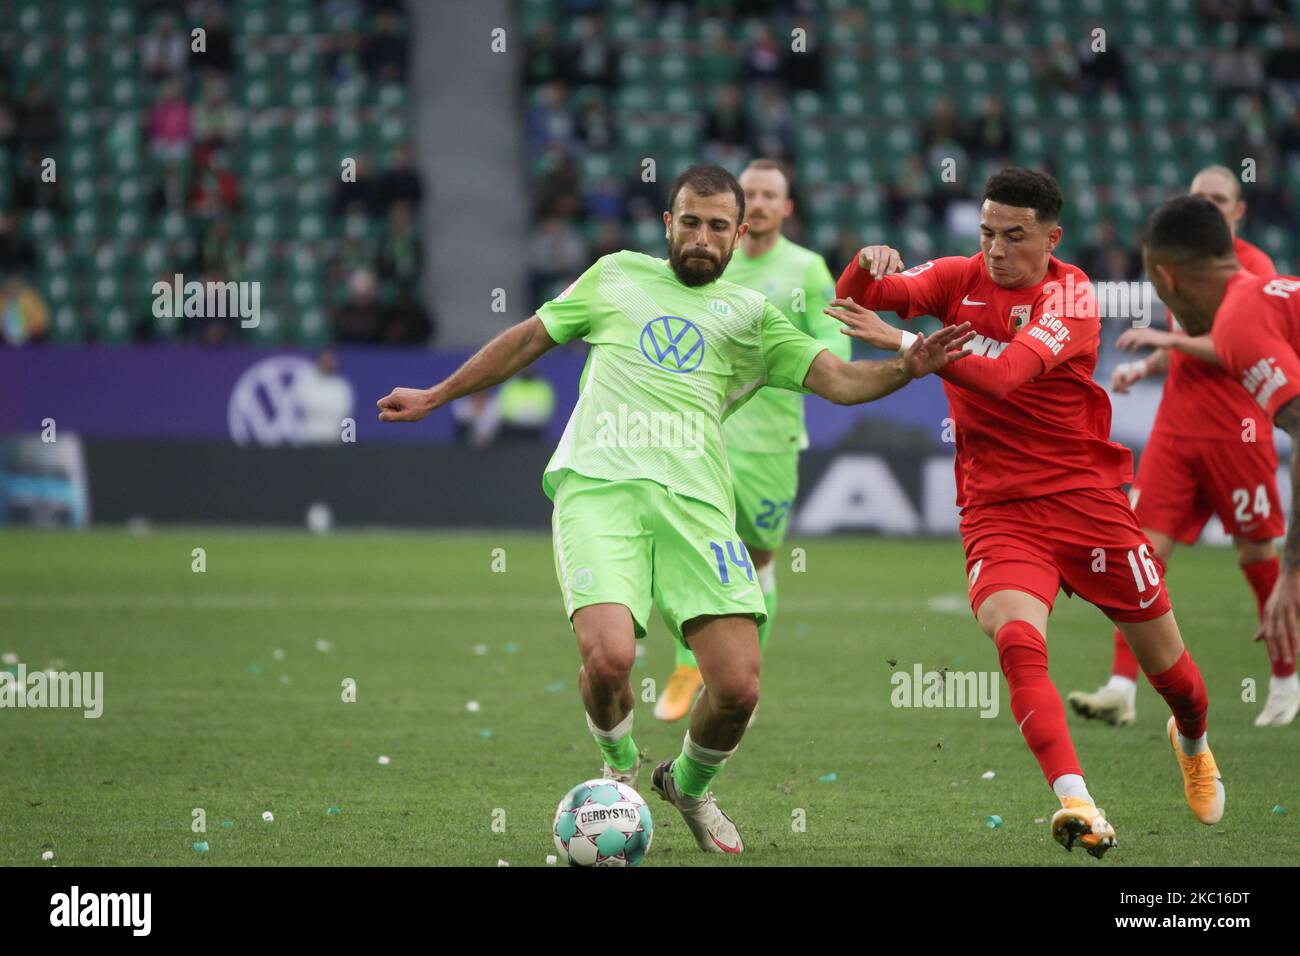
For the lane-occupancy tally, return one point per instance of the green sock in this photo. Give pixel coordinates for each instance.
(764, 629)
(696, 766)
(621, 755)
(616, 744)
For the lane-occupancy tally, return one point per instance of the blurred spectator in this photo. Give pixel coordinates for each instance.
(324, 398)
(526, 404)
(384, 51)
(772, 124)
(219, 53)
(1283, 65)
(169, 124)
(802, 69)
(550, 119)
(1237, 70)
(399, 249)
(30, 190)
(1059, 69)
(556, 252)
(24, 316)
(609, 238)
(764, 59)
(1105, 258)
(727, 121)
(1102, 69)
(364, 193)
(590, 59)
(989, 136)
(169, 193)
(560, 179)
(407, 322)
(595, 126)
(164, 50)
(477, 419)
(216, 191)
(543, 57)
(360, 317)
(1288, 137)
(220, 250)
(401, 182)
(37, 118)
(17, 254)
(216, 120)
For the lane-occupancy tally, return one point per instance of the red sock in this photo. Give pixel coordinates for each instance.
(1262, 575)
(1184, 691)
(1037, 707)
(1124, 663)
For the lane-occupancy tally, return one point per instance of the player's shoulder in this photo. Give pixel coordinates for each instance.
(961, 266)
(631, 259)
(799, 255)
(1252, 258)
(738, 295)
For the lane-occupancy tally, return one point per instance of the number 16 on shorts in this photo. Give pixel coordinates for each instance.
(739, 560)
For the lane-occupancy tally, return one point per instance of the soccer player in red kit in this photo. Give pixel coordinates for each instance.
(1038, 480)
(1255, 321)
(1210, 452)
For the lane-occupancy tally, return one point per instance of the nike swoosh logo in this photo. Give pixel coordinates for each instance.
(722, 846)
(967, 300)
(1023, 722)
(1147, 604)
(746, 591)
(1248, 527)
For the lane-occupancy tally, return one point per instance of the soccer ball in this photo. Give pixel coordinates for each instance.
(603, 823)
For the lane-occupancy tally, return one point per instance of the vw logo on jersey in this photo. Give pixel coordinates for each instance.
(673, 343)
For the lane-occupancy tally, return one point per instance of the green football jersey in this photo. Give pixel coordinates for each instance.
(797, 281)
(668, 363)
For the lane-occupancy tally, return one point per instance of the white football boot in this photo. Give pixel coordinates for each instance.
(1109, 704)
(714, 831)
(622, 776)
(1283, 702)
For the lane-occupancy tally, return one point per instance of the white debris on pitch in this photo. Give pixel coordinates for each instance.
(480, 649)
(472, 706)
(502, 863)
(550, 859)
(324, 646)
(384, 761)
(988, 775)
(8, 657)
(949, 604)
(320, 519)
(278, 653)
(268, 816)
(47, 855)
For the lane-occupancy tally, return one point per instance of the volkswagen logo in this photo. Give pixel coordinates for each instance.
(673, 343)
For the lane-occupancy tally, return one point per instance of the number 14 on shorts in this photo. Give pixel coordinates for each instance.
(740, 560)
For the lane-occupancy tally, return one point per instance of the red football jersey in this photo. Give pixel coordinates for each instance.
(1048, 435)
(1257, 334)
(1202, 400)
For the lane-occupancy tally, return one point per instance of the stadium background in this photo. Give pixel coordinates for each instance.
(499, 148)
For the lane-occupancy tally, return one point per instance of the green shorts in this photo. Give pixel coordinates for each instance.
(634, 542)
(765, 486)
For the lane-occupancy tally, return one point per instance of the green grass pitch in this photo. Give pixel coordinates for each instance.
(217, 697)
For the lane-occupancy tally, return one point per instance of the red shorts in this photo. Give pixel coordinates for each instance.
(1181, 482)
(1087, 541)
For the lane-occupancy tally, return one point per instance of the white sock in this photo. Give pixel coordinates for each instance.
(1128, 688)
(615, 733)
(1284, 684)
(767, 577)
(1072, 785)
(710, 758)
(1191, 746)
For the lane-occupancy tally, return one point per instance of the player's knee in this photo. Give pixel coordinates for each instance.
(736, 697)
(1019, 645)
(609, 664)
(1250, 552)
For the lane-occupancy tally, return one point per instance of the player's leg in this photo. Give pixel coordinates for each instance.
(1174, 675)
(707, 592)
(1172, 503)
(1260, 564)
(603, 563)
(1106, 559)
(765, 486)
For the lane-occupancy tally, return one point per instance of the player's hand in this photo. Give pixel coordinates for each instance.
(405, 405)
(1278, 629)
(1134, 339)
(880, 260)
(942, 348)
(864, 325)
(1126, 375)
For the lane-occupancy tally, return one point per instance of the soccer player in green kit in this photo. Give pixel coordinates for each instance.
(644, 512)
(764, 437)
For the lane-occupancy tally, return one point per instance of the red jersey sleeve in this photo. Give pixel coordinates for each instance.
(1064, 323)
(1251, 337)
(995, 377)
(922, 290)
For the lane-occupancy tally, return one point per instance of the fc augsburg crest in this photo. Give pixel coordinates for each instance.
(1019, 316)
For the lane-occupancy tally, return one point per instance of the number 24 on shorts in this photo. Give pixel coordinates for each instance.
(740, 560)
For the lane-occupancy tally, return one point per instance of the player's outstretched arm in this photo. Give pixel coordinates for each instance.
(514, 349)
(1278, 628)
(1197, 346)
(1128, 374)
(851, 383)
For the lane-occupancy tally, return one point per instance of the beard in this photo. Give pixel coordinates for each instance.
(694, 267)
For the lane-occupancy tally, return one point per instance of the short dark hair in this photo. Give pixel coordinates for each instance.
(708, 180)
(1027, 189)
(1188, 227)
